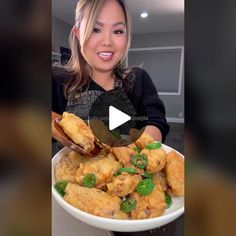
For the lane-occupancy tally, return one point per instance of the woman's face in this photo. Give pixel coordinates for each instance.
(107, 44)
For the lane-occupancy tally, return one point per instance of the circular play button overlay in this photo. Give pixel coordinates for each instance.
(114, 120)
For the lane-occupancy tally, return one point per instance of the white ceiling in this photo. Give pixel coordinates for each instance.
(164, 15)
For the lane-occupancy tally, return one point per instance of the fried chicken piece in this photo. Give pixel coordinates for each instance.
(67, 166)
(124, 154)
(123, 184)
(94, 201)
(77, 158)
(138, 171)
(149, 206)
(143, 140)
(175, 173)
(77, 130)
(156, 159)
(65, 170)
(102, 168)
(160, 178)
(111, 156)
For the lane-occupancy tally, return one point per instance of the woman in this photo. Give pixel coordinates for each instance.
(99, 42)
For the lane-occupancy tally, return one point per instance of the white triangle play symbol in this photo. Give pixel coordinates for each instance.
(117, 118)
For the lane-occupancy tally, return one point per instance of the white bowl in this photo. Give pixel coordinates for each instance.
(172, 213)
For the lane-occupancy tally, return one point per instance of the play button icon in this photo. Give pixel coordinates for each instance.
(113, 118)
(117, 118)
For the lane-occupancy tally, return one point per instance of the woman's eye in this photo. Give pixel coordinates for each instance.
(96, 30)
(119, 32)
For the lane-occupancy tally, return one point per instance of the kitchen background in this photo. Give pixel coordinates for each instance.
(157, 45)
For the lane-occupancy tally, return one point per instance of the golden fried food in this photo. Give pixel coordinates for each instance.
(94, 201)
(149, 206)
(65, 170)
(123, 184)
(124, 154)
(77, 158)
(160, 178)
(143, 140)
(102, 168)
(156, 159)
(77, 130)
(175, 173)
(138, 171)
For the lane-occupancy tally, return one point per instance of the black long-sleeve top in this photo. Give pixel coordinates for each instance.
(138, 86)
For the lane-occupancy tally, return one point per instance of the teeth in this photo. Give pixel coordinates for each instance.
(105, 54)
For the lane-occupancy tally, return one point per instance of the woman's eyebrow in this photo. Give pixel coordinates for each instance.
(119, 23)
(115, 24)
(99, 23)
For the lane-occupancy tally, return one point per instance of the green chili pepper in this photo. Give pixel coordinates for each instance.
(125, 169)
(168, 200)
(145, 187)
(154, 145)
(137, 149)
(128, 205)
(147, 175)
(61, 186)
(89, 180)
(139, 161)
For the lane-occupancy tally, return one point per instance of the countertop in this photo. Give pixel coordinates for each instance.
(64, 224)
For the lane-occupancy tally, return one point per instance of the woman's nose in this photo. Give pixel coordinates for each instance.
(107, 39)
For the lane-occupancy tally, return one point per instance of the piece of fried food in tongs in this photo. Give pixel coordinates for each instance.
(71, 131)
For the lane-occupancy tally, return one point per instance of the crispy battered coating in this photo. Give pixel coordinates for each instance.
(138, 171)
(175, 173)
(149, 206)
(77, 158)
(103, 168)
(65, 170)
(77, 130)
(123, 184)
(156, 159)
(143, 140)
(160, 178)
(94, 201)
(124, 154)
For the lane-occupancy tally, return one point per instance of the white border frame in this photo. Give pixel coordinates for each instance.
(160, 49)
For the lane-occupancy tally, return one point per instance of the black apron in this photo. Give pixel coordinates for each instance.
(81, 102)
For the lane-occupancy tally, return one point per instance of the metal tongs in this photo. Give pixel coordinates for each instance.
(62, 138)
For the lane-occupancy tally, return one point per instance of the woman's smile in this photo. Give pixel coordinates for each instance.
(105, 55)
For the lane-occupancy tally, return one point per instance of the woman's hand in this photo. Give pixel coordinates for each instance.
(154, 132)
(55, 115)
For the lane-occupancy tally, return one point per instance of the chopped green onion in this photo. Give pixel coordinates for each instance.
(128, 205)
(154, 145)
(61, 186)
(139, 161)
(125, 169)
(168, 200)
(89, 180)
(145, 187)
